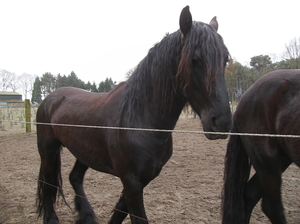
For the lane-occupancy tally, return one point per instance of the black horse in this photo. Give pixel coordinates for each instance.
(270, 106)
(186, 66)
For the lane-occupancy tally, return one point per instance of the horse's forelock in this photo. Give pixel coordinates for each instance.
(213, 55)
(184, 68)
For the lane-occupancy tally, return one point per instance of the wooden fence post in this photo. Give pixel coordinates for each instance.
(1, 123)
(27, 115)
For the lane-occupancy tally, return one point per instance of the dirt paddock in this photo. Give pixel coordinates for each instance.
(187, 190)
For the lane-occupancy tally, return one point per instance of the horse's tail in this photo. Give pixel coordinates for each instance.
(236, 174)
(50, 187)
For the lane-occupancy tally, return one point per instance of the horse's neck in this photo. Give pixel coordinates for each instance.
(153, 112)
(165, 117)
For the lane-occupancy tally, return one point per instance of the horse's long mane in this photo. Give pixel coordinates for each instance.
(167, 69)
(152, 78)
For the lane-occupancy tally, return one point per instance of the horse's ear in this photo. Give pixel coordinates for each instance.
(185, 21)
(214, 23)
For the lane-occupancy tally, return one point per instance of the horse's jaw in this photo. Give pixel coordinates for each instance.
(216, 124)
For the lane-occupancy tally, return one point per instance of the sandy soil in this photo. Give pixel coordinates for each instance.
(187, 190)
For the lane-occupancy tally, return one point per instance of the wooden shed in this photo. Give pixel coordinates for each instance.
(10, 99)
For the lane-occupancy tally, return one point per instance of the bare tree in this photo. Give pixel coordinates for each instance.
(15, 82)
(3, 80)
(26, 83)
(292, 49)
(129, 73)
(8, 81)
(291, 55)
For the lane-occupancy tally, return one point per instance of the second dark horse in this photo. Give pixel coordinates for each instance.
(186, 66)
(270, 106)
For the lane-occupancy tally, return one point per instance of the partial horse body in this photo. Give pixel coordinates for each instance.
(186, 66)
(270, 106)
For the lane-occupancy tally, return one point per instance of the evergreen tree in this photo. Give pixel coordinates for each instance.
(48, 84)
(72, 79)
(61, 81)
(94, 87)
(36, 92)
(101, 87)
(88, 86)
(107, 85)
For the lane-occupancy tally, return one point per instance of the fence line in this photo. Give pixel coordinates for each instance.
(12, 116)
(167, 130)
(154, 130)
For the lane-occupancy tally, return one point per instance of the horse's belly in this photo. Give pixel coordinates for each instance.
(90, 148)
(94, 160)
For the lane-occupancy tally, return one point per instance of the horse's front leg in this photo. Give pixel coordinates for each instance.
(133, 195)
(120, 211)
(86, 213)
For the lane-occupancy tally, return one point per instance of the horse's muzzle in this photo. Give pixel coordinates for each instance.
(215, 136)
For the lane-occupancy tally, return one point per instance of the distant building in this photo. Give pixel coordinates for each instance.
(10, 99)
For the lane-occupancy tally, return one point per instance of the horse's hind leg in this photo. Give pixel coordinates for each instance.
(86, 213)
(254, 191)
(270, 181)
(49, 181)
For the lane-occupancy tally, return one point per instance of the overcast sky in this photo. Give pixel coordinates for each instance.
(99, 39)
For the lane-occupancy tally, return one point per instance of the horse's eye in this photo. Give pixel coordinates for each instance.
(197, 57)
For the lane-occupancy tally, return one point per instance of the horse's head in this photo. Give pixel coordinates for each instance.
(201, 73)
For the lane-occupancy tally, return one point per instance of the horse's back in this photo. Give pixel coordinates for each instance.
(272, 106)
(67, 102)
(271, 95)
(273, 85)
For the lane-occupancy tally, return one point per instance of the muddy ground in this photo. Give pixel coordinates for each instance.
(187, 190)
